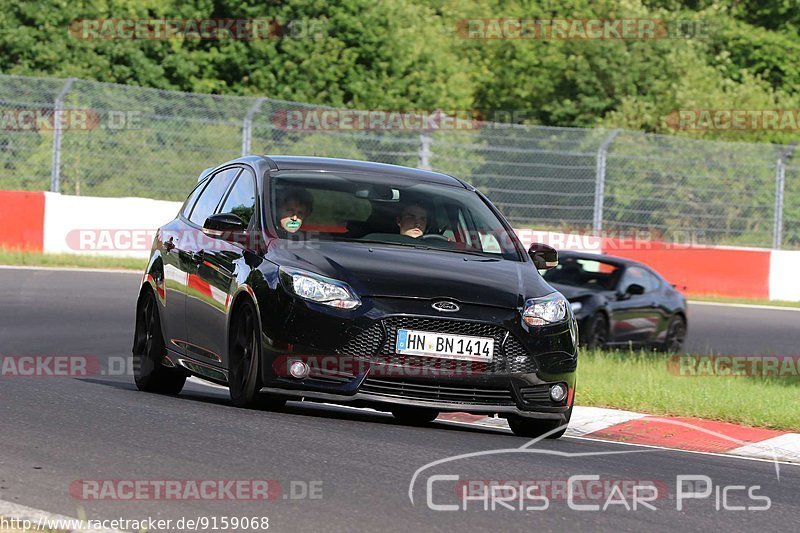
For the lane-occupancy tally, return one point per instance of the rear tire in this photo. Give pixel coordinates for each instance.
(676, 334)
(149, 350)
(244, 356)
(414, 416)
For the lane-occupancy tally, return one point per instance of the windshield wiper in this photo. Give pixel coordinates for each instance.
(393, 243)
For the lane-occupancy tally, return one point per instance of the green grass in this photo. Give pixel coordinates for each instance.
(643, 382)
(30, 258)
(751, 301)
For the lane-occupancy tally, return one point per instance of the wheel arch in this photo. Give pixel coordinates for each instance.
(243, 294)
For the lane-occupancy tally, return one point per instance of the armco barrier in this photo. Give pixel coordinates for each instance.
(697, 270)
(51, 223)
(784, 275)
(22, 220)
(65, 214)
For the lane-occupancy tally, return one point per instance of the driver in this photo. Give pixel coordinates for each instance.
(413, 220)
(293, 206)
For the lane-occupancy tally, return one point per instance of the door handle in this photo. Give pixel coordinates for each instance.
(198, 256)
(169, 245)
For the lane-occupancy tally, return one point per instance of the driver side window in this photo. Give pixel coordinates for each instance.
(241, 201)
(212, 195)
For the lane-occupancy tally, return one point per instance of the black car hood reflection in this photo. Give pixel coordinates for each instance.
(377, 270)
(572, 293)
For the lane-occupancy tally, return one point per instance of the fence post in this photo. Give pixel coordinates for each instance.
(55, 165)
(247, 126)
(780, 185)
(424, 151)
(600, 182)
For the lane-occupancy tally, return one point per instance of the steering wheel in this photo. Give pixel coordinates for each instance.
(434, 237)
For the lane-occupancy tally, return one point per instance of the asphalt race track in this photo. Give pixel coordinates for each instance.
(356, 464)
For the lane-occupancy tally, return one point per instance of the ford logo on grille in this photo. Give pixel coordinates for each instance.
(446, 307)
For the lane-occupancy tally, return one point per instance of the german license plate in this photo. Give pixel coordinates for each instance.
(429, 344)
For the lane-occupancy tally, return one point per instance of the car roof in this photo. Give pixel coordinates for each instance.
(286, 162)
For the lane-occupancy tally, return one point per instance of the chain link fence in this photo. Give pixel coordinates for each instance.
(96, 139)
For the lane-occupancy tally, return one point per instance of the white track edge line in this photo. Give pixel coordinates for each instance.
(73, 269)
(745, 306)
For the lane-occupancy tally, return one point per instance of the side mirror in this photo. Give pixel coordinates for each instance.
(544, 257)
(634, 289)
(224, 225)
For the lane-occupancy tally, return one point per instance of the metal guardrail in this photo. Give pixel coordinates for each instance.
(102, 139)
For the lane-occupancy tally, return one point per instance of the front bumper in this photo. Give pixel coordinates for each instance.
(352, 359)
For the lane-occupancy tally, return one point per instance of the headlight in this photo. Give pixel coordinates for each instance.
(550, 309)
(576, 306)
(320, 289)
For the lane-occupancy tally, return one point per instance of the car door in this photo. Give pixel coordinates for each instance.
(660, 304)
(220, 264)
(172, 245)
(198, 247)
(635, 315)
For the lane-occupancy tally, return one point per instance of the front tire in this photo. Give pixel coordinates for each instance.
(596, 335)
(244, 354)
(149, 350)
(532, 428)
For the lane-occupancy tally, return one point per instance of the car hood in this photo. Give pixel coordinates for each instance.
(377, 270)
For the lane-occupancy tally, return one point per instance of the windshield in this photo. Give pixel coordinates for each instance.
(584, 273)
(376, 209)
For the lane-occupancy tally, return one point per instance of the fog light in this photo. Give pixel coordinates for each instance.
(300, 370)
(558, 392)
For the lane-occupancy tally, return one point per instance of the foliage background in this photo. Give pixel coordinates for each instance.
(406, 55)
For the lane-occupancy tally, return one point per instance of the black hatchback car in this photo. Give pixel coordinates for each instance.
(620, 302)
(347, 281)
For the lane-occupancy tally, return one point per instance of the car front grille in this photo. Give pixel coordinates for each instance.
(437, 393)
(378, 343)
(364, 344)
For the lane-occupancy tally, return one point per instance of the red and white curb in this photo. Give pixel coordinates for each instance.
(679, 433)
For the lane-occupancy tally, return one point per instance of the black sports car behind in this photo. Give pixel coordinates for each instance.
(620, 302)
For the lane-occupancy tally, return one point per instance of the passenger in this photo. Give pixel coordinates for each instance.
(413, 220)
(294, 205)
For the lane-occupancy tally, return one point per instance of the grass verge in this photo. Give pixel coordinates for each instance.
(29, 258)
(642, 381)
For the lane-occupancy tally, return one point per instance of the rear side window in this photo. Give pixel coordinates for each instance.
(242, 199)
(210, 197)
(641, 277)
